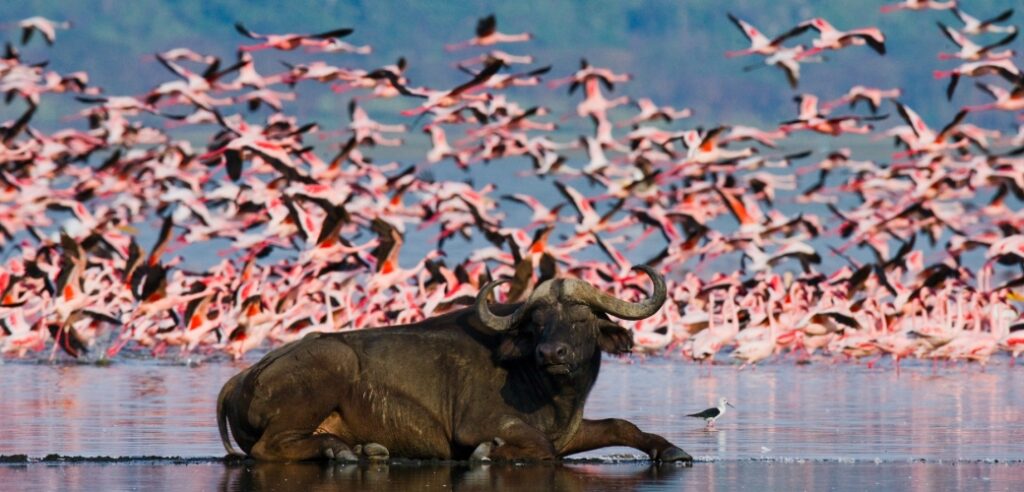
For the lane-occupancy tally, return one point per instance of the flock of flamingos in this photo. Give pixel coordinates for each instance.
(309, 230)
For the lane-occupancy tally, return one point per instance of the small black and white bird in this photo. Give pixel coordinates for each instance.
(712, 414)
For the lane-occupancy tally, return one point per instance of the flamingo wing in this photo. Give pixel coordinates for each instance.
(1006, 14)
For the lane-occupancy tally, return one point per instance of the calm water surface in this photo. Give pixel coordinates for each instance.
(726, 476)
(804, 427)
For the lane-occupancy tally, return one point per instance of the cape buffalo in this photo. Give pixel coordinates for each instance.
(504, 382)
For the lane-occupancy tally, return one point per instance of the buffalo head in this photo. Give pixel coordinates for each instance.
(565, 321)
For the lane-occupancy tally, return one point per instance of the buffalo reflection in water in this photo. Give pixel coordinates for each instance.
(460, 477)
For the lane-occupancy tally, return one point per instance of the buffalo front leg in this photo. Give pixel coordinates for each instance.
(516, 441)
(294, 445)
(595, 434)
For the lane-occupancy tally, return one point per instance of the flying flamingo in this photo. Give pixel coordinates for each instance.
(505, 57)
(739, 133)
(298, 259)
(925, 139)
(1005, 100)
(830, 38)
(759, 43)
(1004, 68)
(487, 34)
(705, 147)
(809, 118)
(970, 51)
(182, 53)
(973, 26)
(788, 60)
(586, 71)
(440, 148)
(288, 42)
(542, 215)
(873, 97)
(919, 5)
(46, 27)
(335, 45)
(650, 111)
(445, 98)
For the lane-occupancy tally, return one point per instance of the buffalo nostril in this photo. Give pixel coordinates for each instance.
(553, 353)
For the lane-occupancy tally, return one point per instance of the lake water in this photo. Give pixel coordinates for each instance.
(812, 427)
(726, 476)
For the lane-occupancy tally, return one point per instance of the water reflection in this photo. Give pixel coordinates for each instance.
(783, 411)
(314, 477)
(731, 475)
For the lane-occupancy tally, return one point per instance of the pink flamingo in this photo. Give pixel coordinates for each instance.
(487, 34)
(919, 5)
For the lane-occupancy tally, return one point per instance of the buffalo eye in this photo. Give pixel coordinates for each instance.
(516, 346)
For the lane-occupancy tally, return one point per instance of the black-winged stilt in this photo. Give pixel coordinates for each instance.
(712, 414)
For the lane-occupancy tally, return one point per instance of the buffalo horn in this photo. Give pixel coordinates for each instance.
(583, 292)
(491, 320)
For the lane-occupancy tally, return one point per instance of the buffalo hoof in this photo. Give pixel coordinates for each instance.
(673, 454)
(340, 454)
(483, 451)
(372, 451)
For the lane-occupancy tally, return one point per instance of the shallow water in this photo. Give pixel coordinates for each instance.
(810, 427)
(730, 475)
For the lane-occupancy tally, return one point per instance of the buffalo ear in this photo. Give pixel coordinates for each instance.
(513, 346)
(614, 339)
